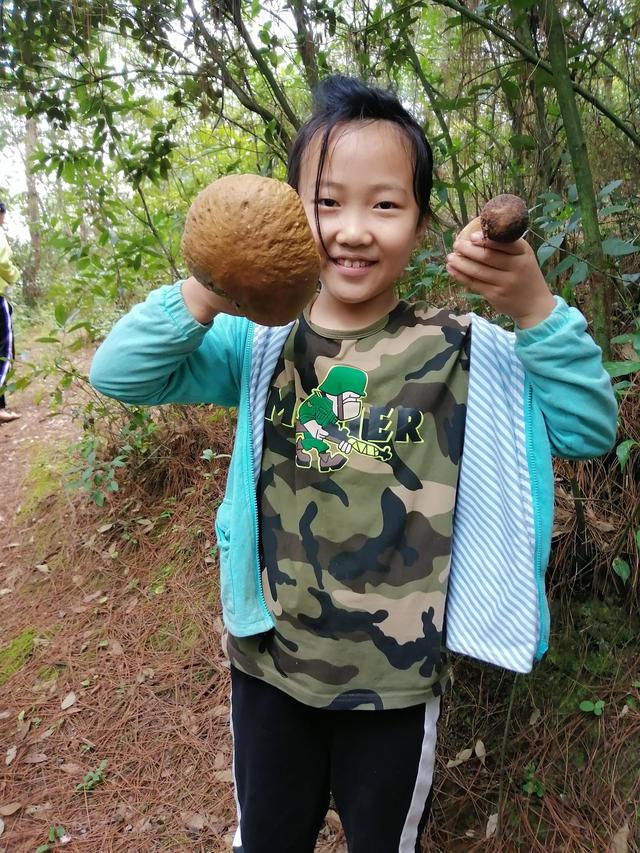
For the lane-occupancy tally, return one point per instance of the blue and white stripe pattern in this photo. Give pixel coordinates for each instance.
(6, 340)
(492, 604)
(266, 348)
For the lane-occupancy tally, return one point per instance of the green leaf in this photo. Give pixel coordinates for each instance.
(621, 368)
(617, 247)
(638, 539)
(523, 140)
(43, 848)
(605, 191)
(598, 708)
(623, 450)
(61, 314)
(622, 569)
(454, 21)
(563, 266)
(612, 208)
(580, 272)
(549, 248)
(586, 705)
(511, 89)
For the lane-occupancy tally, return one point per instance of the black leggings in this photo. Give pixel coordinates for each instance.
(289, 757)
(7, 347)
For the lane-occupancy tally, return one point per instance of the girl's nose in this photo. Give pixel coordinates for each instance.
(353, 230)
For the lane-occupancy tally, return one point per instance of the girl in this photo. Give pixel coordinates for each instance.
(352, 515)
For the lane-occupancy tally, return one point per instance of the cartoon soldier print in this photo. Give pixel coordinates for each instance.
(324, 415)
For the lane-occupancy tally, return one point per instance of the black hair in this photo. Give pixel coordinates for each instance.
(338, 99)
(3, 209)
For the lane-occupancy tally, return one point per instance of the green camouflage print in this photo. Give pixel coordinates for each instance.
(363, 439)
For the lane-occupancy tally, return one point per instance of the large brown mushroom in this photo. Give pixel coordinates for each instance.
(247, 239)
(504, 219)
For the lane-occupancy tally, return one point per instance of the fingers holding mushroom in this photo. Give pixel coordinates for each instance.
(503, 219)
(500, 265)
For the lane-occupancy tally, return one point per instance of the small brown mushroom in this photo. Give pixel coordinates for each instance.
(247, 239)
(504, 219)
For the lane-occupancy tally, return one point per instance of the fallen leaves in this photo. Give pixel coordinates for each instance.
(492, 825)
(39, 811)
(10, 808)
(68, 701)
(465, 754)
(10, 755)
(115, 648)
(223, 775)
(620, 841)
(35, 757)
(195, 822)
(72, 768)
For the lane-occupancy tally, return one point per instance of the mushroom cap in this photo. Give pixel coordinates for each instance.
(247, 238)
(504, 218)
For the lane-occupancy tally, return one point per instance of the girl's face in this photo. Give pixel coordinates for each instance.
(368, 219)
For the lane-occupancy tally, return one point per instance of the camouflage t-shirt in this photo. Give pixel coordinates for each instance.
(363, 438)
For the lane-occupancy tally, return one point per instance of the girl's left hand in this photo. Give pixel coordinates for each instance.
(506, 274)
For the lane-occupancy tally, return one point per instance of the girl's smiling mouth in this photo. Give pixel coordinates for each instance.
(353, 263)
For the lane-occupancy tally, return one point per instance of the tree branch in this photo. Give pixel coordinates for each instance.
(527, 54)
(266, 115)
(262, 65)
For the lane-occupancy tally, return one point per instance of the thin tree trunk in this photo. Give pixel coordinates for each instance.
(432, 96)
(305, 41)
(30, 283)
(598, 284)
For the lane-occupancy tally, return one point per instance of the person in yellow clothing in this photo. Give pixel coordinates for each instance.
(9, 274)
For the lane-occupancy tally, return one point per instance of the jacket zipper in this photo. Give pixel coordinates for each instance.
(258, 578)
(544, 621)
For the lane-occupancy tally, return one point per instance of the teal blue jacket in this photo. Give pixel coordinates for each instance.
(532, 393)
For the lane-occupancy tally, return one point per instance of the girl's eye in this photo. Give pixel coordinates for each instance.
(326, 202)
(386, 205)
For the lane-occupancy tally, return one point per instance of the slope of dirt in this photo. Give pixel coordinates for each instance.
(115, 724)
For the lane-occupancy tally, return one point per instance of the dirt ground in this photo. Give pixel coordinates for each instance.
(114, 726)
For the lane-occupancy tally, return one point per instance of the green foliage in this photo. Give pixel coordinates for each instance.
(596, 708)
(92, 779)
(16, 653)
(558, 222)
(56, 834)
(100, 457)
(531, 784)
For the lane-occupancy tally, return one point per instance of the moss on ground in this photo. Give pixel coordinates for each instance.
(44, 477)
(16, 654)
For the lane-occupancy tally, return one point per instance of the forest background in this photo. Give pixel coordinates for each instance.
(117, 114)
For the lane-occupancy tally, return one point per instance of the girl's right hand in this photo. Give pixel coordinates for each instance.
(203, 303)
